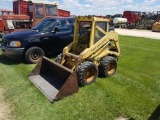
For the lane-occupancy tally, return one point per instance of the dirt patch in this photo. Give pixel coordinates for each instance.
(5, 111)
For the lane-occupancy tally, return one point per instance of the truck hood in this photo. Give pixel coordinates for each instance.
(19, 35)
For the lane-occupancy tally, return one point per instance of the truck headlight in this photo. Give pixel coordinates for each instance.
(15, 44)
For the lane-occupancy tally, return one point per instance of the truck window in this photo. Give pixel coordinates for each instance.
(64, 26)
(51, 10)
(39, 11)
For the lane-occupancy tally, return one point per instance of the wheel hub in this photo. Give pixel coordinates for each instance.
(111, 68)
(90, 74)
(35, 55)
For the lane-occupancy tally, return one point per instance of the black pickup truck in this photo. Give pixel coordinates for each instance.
(49, 36)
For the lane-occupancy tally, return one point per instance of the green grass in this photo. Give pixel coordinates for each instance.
(133, 92)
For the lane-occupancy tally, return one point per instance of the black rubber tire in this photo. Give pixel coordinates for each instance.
(34, 55)
(108, 66)
(59, 58)
(87, 73)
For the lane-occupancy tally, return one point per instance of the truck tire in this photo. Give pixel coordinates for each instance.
(108, 66)
(87, 73)
(34, 55)
(59, 58)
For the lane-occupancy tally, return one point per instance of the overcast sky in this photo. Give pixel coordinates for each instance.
(99, 7)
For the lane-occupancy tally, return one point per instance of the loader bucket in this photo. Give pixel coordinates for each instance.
(54, 80)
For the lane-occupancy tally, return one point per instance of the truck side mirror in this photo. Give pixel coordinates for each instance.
(56, 29)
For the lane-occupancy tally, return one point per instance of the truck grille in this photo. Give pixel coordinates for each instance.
(4, 42)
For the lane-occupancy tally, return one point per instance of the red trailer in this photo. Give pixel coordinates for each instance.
(131, 17)
(63, 13)
(20, 7)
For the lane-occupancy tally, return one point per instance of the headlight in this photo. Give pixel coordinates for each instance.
(15, 44)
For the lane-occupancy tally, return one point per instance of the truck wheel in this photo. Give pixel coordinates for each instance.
(59, 58)
(108, 66)
(34, 54)
(86, 73)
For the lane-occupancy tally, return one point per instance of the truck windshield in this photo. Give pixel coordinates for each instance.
(45, 25)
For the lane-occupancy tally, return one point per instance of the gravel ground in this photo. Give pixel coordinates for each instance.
(138, 33)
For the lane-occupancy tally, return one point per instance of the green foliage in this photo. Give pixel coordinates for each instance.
(133, 92)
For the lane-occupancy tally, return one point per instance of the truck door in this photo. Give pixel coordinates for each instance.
(61, 37)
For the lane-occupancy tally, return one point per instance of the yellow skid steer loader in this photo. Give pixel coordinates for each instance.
(156, 24)
(94, 50)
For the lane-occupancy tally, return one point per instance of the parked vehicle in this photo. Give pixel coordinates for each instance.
(146, 20)
(156, 25)
(131, 17)
(95, 51)
(119, 22)
(29, 13)
(118, 15)
(110, 18)
(22, 7)
(3, 12)
(49, 36)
